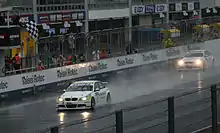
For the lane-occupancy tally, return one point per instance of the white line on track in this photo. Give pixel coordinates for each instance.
(27, 103)
(204, 128)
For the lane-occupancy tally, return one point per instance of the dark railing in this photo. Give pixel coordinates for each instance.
(194, 112)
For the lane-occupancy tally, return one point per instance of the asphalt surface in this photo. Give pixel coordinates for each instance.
(128, 89)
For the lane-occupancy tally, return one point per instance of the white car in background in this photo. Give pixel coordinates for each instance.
(84, 95)
(196, 60)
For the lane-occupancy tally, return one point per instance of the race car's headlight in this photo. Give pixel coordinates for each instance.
(84, 98)
(60, 99)
(180, 62)
(198, 62)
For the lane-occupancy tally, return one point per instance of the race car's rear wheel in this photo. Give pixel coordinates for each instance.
(213, 62)
(108, 99)
(93, 103)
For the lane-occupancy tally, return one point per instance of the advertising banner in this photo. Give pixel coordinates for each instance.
(138, 9)
(190, 6)
(60, 17)
(143, 9)
(161, 8)
(9, 37)
(149, 8)
(178, 7)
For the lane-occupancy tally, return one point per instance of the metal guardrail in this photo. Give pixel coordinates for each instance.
(173, 115)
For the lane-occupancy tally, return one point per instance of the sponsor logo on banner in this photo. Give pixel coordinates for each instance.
(138, 9)
(98, 66)
(3, 36)
(161, 8)
(81, 15)
(61, 17)
(26, 18)
(150, 57)
(178, 7)
(3, 85)
(190, 6)
(125, 61)
(149, 8)
(52, 18)
(10, 37)
(66, 72)
(43, 18)
(36, 78)
(14, 37)
(172, 52)
(67, 16)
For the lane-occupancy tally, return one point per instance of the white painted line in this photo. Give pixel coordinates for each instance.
(29, 103)
(199, 130)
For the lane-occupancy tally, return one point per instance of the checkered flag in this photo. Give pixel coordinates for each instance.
(31, 27)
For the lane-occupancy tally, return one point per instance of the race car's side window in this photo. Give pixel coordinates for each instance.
(207, 53)
(101, 85)
(96, 85)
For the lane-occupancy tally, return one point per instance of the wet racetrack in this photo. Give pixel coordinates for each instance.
(154, 82)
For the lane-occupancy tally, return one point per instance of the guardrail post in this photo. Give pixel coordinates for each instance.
(119, 121)
(171, 117)
(214, 109)
(54, 130)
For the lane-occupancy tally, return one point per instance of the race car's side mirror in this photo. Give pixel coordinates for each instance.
(64, 90)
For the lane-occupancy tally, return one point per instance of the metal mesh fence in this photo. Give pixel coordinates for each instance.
(115, 41)
(80, 47)
(193, 111)
(151, 117)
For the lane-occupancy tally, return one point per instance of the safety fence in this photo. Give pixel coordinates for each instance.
(80, 47)
(184, 113)
(115, 41)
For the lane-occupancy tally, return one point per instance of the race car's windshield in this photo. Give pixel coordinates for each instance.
(194, 55)
(80, 87)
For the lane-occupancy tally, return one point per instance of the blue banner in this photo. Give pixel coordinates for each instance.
(149, 8)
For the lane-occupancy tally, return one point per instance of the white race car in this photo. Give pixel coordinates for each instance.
(84, 95)
(196, 60)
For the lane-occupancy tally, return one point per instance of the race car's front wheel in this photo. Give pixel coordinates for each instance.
(93, 103)
(108, 99)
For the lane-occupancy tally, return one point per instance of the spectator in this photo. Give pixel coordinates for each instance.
(17, 63)
(40, 66)
(96, 55)
(61, 61)
(54, 61)
(69, 61)
(8, 63)
(82, 58)
(128, 49)
(103, 54)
